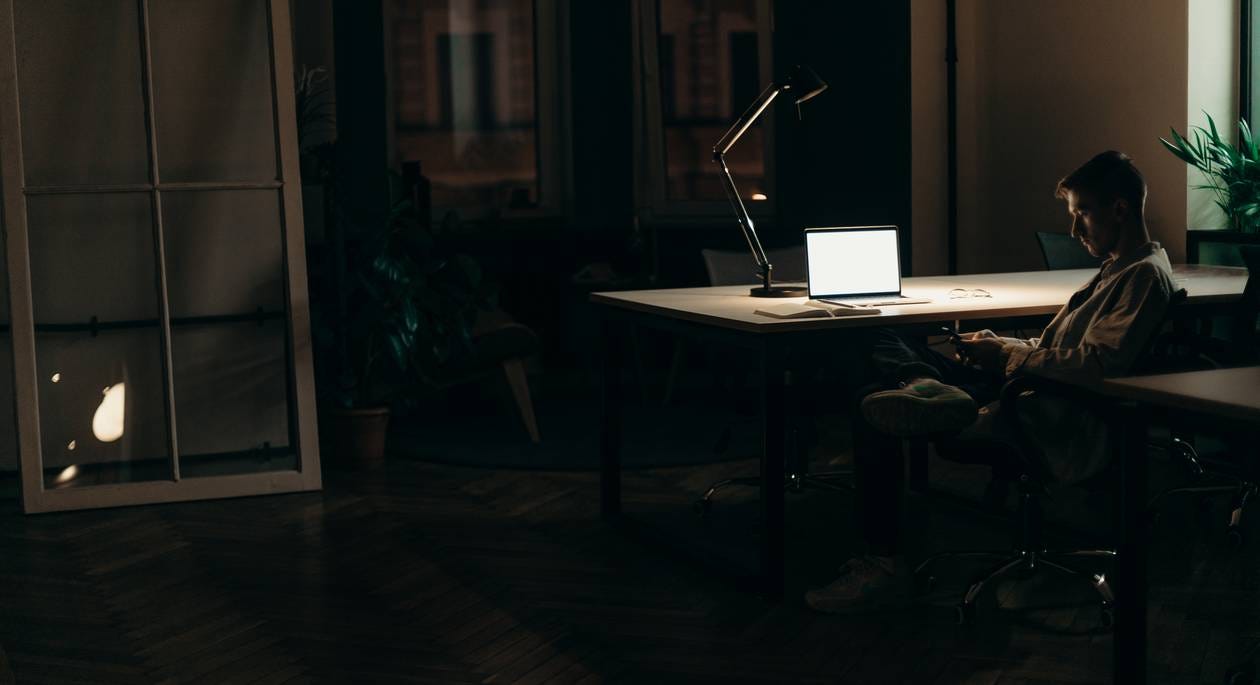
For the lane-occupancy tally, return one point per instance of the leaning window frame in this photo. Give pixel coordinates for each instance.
(651, 175)
(552, 97)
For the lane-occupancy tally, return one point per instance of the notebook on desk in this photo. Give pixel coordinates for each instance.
(855, 266)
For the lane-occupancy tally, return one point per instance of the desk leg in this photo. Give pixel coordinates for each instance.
(1130, 587)
(919, 480)
(773, 460)
(610, 431)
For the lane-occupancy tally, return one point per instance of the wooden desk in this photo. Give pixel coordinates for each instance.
(1224, 399)
(725, 315)
(1027, 293)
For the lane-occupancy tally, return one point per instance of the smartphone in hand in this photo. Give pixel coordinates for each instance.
(959, 351)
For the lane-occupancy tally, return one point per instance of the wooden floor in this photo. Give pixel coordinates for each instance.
(440, 574)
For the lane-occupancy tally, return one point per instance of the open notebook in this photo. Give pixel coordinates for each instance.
(813, 309)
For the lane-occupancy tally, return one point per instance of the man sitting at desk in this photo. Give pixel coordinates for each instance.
(1100, 332)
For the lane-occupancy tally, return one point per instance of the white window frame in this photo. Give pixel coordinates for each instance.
(651, 176)
(36, 496)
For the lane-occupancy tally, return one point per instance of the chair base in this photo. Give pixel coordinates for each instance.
(1028, 561)
(835, 481)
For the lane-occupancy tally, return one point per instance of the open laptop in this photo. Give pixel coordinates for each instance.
(855, 266)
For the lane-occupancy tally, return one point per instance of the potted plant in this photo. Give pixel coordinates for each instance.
(1233, 174)
(407, 304)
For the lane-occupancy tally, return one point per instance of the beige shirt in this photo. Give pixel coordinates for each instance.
(1101, 331)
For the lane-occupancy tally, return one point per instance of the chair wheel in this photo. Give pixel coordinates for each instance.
(702, 506)
(1241, 675)
(1106, 616)
(965, 614)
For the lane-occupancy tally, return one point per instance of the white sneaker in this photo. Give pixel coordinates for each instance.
(921, 407)
(866, 583)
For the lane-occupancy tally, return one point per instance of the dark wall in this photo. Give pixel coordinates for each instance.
(362, 149)
(847, 162)
(602, 115)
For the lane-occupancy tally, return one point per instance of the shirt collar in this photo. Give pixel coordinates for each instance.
(1137, 254)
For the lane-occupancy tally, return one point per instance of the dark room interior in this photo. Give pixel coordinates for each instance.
(629, 341)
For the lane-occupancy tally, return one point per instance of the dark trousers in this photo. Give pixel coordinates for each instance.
(877, 457)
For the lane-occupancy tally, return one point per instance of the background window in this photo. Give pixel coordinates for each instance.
(709, 73)
(465, 108)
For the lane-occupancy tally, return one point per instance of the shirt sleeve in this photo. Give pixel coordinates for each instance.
(1114, 339)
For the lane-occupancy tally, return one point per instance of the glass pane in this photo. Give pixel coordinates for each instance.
(464, 99)
(212, 90)
(1220, 254)
(709, 74)
(8, 420)
(231, 399)
(223, 252)
(224, 258)
(92, 256)
(79, 71)
(98, 349)
(102, 407)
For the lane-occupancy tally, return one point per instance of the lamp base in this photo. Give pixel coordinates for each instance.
(778, 291)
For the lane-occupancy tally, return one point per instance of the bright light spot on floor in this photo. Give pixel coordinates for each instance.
(67, 474)
(759, 196)
(73, 444)
(107, 423)
(56, 378)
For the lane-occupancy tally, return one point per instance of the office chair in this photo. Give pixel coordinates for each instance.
(1213, 476)
(1022, 463)
(735, 268)
(726, 267)
(1062, 251)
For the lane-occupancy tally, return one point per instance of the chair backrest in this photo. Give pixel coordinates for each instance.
(1062, 251)
(738, 268)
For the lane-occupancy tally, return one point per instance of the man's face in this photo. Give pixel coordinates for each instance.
(1097, 226)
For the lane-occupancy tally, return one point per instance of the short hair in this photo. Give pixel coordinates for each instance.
(1109, 176)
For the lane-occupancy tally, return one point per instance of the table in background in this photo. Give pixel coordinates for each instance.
(1222, 399)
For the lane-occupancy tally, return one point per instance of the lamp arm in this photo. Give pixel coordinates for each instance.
(744, 219)
(748, 118)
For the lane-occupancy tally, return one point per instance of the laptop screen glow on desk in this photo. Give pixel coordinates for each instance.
(853, 261)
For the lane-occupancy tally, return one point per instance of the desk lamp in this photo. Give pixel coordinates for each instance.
(802, 84)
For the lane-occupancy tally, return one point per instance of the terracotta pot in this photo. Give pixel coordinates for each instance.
(358, 437)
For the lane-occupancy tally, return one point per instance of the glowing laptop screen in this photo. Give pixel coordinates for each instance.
(845, 262)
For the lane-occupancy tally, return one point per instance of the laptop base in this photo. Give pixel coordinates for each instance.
(886, 301)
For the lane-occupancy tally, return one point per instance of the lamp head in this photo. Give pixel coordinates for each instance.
(802, 83)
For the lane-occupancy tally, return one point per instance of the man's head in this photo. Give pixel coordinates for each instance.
(1106, 199)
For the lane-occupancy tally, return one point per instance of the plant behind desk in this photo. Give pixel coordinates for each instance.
(410, 305)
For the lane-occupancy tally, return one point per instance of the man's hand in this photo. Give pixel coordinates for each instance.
(977, 335)
(985, 352)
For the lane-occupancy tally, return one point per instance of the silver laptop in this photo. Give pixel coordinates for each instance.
(855, 266)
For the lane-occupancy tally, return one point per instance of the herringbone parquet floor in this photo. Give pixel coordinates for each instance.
(439, 574)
